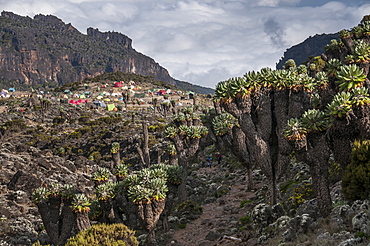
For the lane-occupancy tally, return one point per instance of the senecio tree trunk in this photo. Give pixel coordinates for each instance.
(186, 149)
(58, 218)
(315, 152)
(262, 116)
(143, 148)
(186, 143)
(149, 213)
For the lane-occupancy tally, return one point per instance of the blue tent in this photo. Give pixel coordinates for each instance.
(11, 90)
(100, 104)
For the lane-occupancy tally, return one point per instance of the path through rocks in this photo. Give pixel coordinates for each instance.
(219, 218)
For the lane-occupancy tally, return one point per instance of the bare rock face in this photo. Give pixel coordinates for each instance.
(46, 50)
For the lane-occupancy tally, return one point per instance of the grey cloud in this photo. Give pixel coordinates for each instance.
(275, 32)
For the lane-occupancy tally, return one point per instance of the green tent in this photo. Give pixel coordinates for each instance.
(111, 107)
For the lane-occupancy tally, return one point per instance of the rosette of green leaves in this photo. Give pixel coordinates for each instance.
(202, 130)
(333, 45)
(61, 150)
(223, 122)
(315, 100)
(344, 33)
(121, 170)
(195, 131)
(340, 105)
(105, 191)
(40, 194)
(333, 66)
(251, 82)
(360, 96)
(187, 110)
(366, 27)
(350, 76)
(294, 130)
(102, 174)
(172, 149)
(314, 120)
(148, 184)
(221, 91)
(282, 79)
(80, 203)
(290, 63)
(54, 189)
(195, 116)
(158, 171)
(357, 31)
(132, 179)
(176, 174)
(115, 147)
(158, 188)
(183, 129)
(241, 87)
(361, 51)
(188, 117)
(302, 69)
(180, 117)
(302, 80)
(67, 191)
(139, 194)
(171, 131)
(321, 79)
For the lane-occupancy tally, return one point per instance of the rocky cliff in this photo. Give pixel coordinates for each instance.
(44, 49)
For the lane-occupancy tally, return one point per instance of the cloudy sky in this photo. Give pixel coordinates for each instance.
(205, 41)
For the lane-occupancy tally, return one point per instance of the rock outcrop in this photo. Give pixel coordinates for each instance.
(44, 49)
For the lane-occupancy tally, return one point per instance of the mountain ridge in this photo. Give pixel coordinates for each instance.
(44, 49)
(311, 46)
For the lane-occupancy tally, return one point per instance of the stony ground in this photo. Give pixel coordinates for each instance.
(219, 222)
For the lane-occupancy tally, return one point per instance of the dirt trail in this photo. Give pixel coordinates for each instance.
(218, 216)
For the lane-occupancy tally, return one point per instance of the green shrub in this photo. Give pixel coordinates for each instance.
(355, 182)
(105, 235)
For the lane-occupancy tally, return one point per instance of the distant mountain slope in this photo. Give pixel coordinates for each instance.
(312, 46)
(44, 49)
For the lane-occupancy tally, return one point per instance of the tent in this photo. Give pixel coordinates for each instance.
(118, 84)
(11, 90)
(139, 95)
(99, 104)
(190, 94)
(111, 107)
